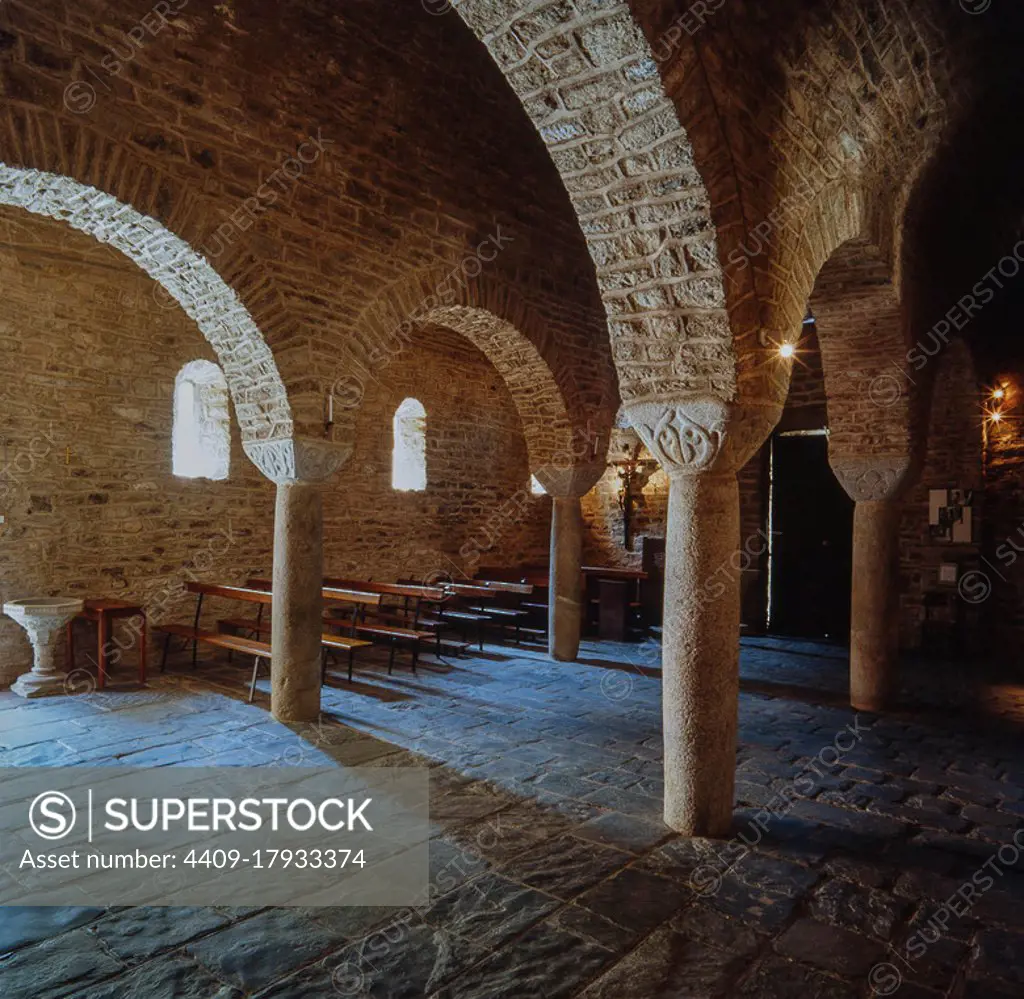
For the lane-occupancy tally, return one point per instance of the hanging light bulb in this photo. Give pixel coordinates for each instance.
(786, 350)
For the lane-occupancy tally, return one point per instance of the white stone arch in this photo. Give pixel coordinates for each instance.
(588, 80)
(183, 277)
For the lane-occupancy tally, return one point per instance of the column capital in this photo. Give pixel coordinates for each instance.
(574, 481)
(703, 433)
(298, 459)
(871, 477)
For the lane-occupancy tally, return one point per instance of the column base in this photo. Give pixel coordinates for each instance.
(37, 685)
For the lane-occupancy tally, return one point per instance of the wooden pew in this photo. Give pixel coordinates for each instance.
(238, 643)
(357, 624)
(412, 617)
(503, 586)
(534, 577)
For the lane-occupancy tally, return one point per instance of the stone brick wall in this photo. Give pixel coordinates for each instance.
(92, 508)
(602, 514)
(317, 161)
(953, 460)
(476, 508)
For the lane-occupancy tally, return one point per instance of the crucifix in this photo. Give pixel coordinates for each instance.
(634, 472)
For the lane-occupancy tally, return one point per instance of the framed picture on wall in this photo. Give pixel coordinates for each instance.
(949, 515)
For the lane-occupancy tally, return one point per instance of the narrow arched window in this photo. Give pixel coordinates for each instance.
(409, 457)
(201, 440)
(535, 487)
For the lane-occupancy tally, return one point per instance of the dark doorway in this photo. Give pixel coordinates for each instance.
(812, 540)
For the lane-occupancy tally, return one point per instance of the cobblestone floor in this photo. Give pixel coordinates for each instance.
(871, 855)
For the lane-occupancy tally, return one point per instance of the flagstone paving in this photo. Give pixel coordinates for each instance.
(871, 855)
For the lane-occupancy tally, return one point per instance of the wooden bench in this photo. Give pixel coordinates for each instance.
(262, 596)
(411, 617)
(392, 634)
(522, 589)
(233, 643)
(331, 594)
(330, 642)
(361, 599)
(503, 616)
(204, 590)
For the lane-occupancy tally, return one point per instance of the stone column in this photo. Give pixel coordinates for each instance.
(700, 652)
(874, 484)
(566, 479)
(565, 582)
(874, 606)
(297, 613)
(298, 467)
(701, 442)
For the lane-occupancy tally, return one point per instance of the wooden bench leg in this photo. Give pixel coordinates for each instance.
(195, 641)
(323, 667)
(143, 650)
(167, 646)
(391, 658)
(255, 673)
(101, 668)
(415, 654)
(351, 654)
(480, 634)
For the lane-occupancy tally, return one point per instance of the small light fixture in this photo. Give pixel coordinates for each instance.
(786, 350)
(999, 393)
(995, 417)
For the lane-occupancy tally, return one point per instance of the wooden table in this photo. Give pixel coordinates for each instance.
(103, 612)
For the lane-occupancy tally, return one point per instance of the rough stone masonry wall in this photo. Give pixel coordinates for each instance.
(422, 155)
(602, 515)
(952, 461)
(90, 505)
(91, 353)
(477, 508)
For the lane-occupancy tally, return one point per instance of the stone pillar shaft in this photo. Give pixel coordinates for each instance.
(298, 602)
(874, 610)
(700, 653)
(565, 583)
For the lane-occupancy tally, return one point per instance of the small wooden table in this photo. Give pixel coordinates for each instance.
(103, 613)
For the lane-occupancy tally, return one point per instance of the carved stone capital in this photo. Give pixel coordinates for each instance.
(872, 477)
(576, 480)
(302, 459)
(702, 433)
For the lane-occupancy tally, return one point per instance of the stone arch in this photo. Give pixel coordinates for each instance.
(182, 277)
(589, 82)
(870, 392)
(563, 433)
